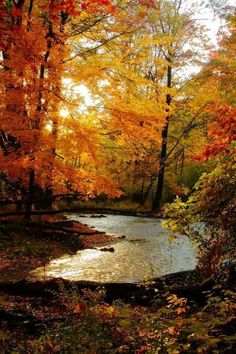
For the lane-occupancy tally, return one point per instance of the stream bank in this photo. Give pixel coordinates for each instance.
(170, 314)
(174, 314)
(27, 246)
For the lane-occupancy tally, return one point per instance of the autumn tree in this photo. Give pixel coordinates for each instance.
(96, 67)
(130, 59)
(34, 51)
(143, 91)
(213, 200)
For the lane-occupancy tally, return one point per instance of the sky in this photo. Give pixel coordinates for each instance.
(211, 20)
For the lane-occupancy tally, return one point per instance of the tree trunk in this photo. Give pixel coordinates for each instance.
(156, 205)
(146, 193)
(182, 164)
(30, 198)
(142, 192)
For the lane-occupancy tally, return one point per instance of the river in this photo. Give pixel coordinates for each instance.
(144, 254)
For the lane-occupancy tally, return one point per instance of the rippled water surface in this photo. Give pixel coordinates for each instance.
(143, 254)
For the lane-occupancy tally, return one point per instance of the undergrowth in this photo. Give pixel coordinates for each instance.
(87, 324)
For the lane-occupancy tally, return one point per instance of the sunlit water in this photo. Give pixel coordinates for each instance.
(145, 253)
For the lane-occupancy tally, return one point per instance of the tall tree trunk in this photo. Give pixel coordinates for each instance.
(156, 205)
(182, 164)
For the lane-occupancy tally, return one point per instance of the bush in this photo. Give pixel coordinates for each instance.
(214, 204)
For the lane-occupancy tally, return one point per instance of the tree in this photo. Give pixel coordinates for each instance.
(144, 90)
(33, 49)
(213, 201)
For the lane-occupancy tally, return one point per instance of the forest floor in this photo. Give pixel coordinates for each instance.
(63, 317)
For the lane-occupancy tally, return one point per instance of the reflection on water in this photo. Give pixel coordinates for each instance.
(145, 253)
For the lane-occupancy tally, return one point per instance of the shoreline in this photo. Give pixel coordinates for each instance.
(40, 314)
(25, 247)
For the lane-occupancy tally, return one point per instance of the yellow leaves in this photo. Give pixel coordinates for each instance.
(172, 235)
(87, 71)
(110, 310)
(177, 304)
(180, 310)
(149, 40)
(71, 150)
(139, 118)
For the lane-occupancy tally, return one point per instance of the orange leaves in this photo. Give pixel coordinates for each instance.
(97, 6)
(80, 308)
(26, 53)
(150, 4)
(65, 154)
(105, 185)
(222, 131)
(171, 331)
(74, 7)
(221, 110)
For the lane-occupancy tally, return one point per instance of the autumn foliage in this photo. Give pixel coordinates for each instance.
(34, 137)
(222, 131)
(144, 121)
(100, 99)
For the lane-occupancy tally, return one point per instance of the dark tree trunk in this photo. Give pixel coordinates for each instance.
(146, 193)
(156, 205)
(142, 192)
(30, 198)
(182, 164)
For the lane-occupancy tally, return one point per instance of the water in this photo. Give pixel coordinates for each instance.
(144, 254)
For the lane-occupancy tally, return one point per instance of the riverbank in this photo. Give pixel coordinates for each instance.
(180, 313)
(68, 317)
(24, 247)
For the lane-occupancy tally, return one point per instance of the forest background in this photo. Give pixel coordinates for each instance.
(126, 104)
(161, 112)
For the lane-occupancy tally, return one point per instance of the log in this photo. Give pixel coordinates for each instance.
(132, 293)
(64, 226)
(86, 211)
(68, 230)
(137, 293)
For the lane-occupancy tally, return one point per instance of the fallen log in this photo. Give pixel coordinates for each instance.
(66, 230)
(66, 226)
(86, 211)
(145, 294)
(134, 293)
